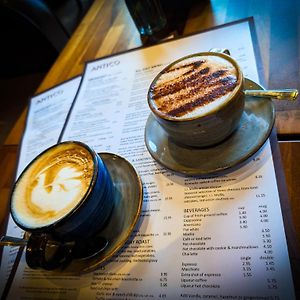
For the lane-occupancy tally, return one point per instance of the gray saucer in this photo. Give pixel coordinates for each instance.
(126, 212)
(255, 127)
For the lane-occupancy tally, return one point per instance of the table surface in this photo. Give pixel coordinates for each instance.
(108, 28)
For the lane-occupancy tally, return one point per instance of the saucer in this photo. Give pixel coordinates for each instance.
(125, 214)
(255, 127)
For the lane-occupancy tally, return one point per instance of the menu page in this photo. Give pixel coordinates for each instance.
(201, 238)
(46, 116)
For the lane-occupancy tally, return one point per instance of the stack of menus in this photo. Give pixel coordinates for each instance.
(214, 237)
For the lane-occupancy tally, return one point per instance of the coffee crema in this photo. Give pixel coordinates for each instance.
(193, 87)
(53, 185)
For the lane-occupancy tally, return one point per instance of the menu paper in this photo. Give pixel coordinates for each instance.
(197, 238)
(45, 119)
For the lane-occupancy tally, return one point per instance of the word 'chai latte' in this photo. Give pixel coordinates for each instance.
(53, 185)
(193, 87)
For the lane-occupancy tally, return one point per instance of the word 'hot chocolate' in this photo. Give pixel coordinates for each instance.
(193, 87)
(53, 185)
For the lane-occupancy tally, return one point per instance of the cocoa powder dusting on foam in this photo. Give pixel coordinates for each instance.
(195, 88)
(188, 76)
(192, 90)
(190, 106)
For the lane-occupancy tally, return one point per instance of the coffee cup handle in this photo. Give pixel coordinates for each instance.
(37, 256)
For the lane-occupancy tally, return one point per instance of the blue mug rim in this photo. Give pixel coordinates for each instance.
(65, 218)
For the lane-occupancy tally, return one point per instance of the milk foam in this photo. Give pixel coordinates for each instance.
(193, 87)
(53, 185)
(64, 189)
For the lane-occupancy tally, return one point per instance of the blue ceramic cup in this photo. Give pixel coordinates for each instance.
(63, 198)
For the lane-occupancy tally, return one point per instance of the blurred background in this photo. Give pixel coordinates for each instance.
(33, 33)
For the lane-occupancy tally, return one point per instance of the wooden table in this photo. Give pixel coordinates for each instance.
(108, 28)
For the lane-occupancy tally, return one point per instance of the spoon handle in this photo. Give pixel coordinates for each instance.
(285, 94)
(12, 241)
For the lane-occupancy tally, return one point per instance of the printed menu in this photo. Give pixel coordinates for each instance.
(218, 237)
(45, 118)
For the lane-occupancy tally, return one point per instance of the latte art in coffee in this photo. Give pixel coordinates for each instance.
(193, 87)
(52, 186)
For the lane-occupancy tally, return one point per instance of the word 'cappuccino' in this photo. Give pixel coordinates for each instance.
(53, 185)
(193, 87)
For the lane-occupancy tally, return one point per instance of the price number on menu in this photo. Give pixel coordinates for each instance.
(272, 284)
(263, 213)
(260, 195)
(270, 265)
(163, 279)
(266, 238)
(246, 266)
(243, 218)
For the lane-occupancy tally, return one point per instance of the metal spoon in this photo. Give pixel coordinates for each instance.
(89, 248)
(285, 94)
(12, 241)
